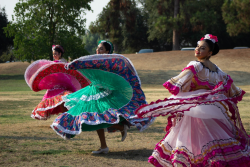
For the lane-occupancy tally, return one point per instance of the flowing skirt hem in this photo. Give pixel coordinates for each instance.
(48, 107)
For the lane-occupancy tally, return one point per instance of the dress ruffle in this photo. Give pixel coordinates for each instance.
(219, 148)
(49, 106)
(53, 77)
(160, 159)
(119, 65)
(204, 126)
(184, 102)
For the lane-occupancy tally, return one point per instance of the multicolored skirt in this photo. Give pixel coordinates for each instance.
(112, 96)
(53, 77)
(204, 131)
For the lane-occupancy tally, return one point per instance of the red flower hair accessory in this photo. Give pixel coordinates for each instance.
(57, 46)
(210, 37)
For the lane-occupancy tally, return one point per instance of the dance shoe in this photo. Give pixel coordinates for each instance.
(105, 151)
(125, 132)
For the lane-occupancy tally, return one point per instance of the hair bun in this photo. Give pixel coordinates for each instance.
(216, 49)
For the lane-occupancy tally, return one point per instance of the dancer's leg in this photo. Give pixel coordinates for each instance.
(62, 108)
(118, 127)
(122, 129)
(101, 135)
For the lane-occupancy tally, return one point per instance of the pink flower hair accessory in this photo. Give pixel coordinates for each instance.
(210, 37)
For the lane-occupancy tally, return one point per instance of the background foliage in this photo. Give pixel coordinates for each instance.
(6, 42)
(41, 23)
(130, 25)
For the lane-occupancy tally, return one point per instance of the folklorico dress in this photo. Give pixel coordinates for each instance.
(204, 126)
(53, 77)
(113, 95)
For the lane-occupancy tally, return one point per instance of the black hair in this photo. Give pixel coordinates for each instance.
(59, 51)
(107, 46)
(214, 47)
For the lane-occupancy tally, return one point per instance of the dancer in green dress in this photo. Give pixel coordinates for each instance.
(108, 102)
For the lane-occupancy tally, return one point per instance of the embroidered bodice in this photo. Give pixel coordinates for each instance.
(197, 76)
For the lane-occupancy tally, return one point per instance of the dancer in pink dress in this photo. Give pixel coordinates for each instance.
(204, 126)
(53, 77)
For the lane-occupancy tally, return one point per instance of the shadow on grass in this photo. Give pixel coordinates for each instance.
(139, 155)
(11, 77)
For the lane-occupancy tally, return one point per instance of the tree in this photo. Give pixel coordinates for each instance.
(6, 43)
(165, 21)
(42, 23)
(108, 24)
(176, 33)
(131, 34)
(90, 41)
(134, 27)
(7, 55)
(195, 19)
(204, 17)
(236, 15)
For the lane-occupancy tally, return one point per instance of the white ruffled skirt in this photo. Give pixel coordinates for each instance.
(202, 135)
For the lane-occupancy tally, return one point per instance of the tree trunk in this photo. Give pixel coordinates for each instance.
(176, 34)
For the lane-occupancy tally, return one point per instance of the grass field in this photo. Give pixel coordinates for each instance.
(28, 142)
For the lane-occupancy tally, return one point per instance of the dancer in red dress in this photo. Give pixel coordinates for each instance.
(53, 77)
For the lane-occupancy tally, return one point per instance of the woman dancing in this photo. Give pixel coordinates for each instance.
(58, 53)
(108, 102)
(53, 77)
(204, 126)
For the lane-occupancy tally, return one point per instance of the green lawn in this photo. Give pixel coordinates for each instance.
(13, 83)
(28, 142)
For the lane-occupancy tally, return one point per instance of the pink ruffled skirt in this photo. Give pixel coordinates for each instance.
(205, 135)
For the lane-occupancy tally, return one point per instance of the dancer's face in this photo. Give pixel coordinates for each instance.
(56, 55)
(101, 49)
(202, 51)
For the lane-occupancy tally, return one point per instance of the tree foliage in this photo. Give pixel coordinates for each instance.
(156, 21)
(6, 42)
(41, 23)
(195, 19)
(135, 29)
(126, 27)
(204, 17)
(162, 21)
(236, 14)
(8, 55)
(108, 24)
(90, 41)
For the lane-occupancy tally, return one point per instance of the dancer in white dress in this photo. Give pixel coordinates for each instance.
(204, 126)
